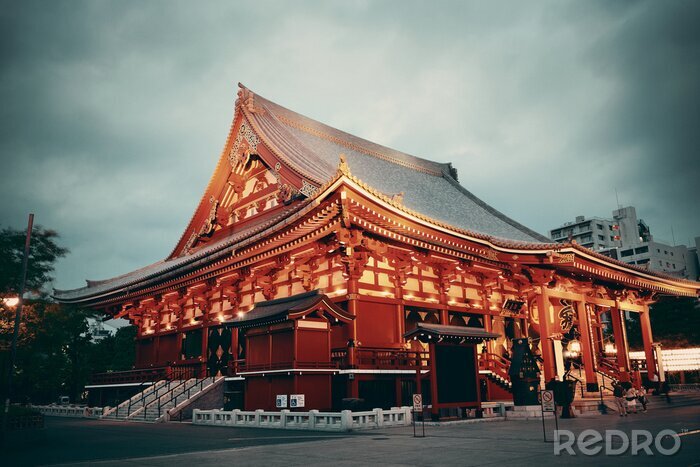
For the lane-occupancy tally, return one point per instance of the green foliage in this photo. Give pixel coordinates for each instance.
(675, 322)
(114, 353)
(52, 359)
(43, 253)
(55, 353)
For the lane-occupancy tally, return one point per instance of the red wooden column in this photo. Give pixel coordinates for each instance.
(205, 341)
(353, 387)
(620, 341)
(548, 361)
(234, 346)
(488, 319)
(156, 338)
(488, 324)
(645, 322)
(587, 346)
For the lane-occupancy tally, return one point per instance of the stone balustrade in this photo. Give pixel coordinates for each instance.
(311, 420)
(69, 411)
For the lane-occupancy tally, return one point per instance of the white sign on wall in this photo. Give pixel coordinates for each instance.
(281, 401)
(296, 400)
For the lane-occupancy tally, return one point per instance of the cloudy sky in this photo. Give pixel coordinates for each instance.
(114, 113)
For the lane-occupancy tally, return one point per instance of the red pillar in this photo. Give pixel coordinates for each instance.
(587, 346)
(548, 361)
(353, 387)
(487, 327)
(645, 323)
(620, 341)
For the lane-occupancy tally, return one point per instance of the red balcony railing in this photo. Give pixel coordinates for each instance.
(130, 376)
(495, 363)
(391, 359)
(175, 371)
(288, 365)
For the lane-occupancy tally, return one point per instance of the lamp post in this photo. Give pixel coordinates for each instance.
(18, 316)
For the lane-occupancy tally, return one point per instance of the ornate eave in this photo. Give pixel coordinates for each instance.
(344, 200)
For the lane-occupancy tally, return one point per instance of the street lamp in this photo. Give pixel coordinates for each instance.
(18, 316)
(11, 302)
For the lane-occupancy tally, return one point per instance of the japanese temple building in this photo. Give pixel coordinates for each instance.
(322, 264)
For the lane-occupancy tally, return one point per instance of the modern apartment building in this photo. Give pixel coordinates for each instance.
(629, 239)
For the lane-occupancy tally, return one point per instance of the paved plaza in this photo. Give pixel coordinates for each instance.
(107, 443)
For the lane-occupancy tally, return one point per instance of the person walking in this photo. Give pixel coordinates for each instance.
(631, 400)
(619, 393)
(666, 389)
(642, 398)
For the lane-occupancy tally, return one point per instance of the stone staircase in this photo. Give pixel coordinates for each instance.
(495, 368)
(162, 400)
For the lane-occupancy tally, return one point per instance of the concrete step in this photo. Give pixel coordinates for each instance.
(159, 400)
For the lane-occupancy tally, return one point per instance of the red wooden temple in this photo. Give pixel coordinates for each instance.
(322, 264)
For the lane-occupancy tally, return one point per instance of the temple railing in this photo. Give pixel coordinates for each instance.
(495, 363)
(175, 371)
(244, 367)
(187, 369)
(608, 367)
(391, 359)
(142, 375)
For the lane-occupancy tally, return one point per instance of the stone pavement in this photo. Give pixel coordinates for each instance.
(508, 442)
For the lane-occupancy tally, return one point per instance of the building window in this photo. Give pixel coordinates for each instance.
(644, 249)
(629, 252)
(643, 261)
(601, 238)
(668, 265)
(600, 227)
(658, 251)
(612, 239)
(665, 252)
(671, 253)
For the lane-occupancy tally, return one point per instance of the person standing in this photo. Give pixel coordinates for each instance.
(619, 393)
(631, 399)
(642, 398)
(666, 389)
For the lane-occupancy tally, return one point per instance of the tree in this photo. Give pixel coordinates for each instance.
(675, 322)
(56, 362)
(114, 353)
(43, 254)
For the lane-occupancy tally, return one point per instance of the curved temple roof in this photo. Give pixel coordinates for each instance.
(312, 149)
(428, 187)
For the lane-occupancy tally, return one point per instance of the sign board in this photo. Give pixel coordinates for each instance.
(547, 397)
(296, 400)
(418, 402)
(281, 401)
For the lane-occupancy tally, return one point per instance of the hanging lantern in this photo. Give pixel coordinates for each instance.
(574, 346)
(610, 349)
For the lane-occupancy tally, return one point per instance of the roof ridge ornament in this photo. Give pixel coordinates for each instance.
(246, 99)
(343, 167)
(398, 197)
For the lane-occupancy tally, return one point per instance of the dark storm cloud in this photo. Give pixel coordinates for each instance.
(114, 113)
